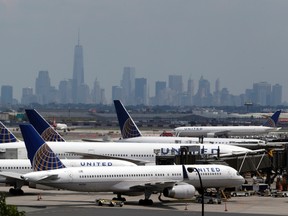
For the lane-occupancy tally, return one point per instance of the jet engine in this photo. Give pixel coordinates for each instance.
(180, 191)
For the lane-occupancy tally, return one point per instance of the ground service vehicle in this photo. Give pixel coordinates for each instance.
(108, 202)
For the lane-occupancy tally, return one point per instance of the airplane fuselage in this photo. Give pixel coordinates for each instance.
(134, 179)
(223, 130)
(194, 140)
(143, 153)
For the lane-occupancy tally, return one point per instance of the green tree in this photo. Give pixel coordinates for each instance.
(8, 210)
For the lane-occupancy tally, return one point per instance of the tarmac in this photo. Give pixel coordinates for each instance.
(60, 202)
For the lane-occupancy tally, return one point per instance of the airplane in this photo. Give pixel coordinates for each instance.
(144, 154)
(174, 181)
(131, 133)
(212, 131)
(43, 127)
(23, 166)
(60, 126)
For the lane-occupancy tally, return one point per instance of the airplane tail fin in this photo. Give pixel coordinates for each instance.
(273, 120)
(43, 127)
(127, 126)
(39, 153)
(6, 136)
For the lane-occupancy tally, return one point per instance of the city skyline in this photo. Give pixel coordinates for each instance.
(240, 43)
(134, 91)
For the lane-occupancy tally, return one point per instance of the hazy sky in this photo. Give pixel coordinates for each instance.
(238, 41)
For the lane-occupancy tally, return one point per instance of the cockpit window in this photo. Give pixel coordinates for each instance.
(237, 173)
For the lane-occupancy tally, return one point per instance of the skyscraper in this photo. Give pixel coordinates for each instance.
(141, 91)
(262, 93)
(42, 87)
(78, 72)
(128, 85)
(276, 98)
(117, 93)
(160, 93)
(216, 95)
(6, 95)
(175, 85)
(65, 91)
(190, 91)
(28, 96)
(203, 96)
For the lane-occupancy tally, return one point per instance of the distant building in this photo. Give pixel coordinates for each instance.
(276, 95)
(27, 96)
(141, 91)
(78, 73)
(128, 85)
(203, 96)
(160, 93)
(98, 94)
(217, 94)
(175, 84)
(6, 95)
(65, 91)
(190, 92)
(84, 94)
(117, 93)
(42, 87)
(262, 93)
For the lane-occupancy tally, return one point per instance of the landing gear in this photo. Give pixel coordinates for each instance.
(146, 201)
(120, 198)
(16, 191)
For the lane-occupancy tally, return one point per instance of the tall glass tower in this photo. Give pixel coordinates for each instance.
(6, 95)
(78, 72)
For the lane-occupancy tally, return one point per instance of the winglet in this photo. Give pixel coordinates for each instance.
(43, 127)
(6, 136)
(127, 126)
(273, 120)
(40, 154)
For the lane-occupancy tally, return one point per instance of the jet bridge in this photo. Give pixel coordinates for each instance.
(242, 163)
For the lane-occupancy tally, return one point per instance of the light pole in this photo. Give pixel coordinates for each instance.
(201, 186)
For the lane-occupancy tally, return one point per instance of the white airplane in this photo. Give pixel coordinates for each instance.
(212, 131)
(143, 154)
(131, 133)
(22, 166)
(60, 126)
(175, 181)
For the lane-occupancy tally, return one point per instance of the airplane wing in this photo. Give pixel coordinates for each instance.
(96, 156)
(11, 175)
(154, 186)
(41, 178)
(253, 152)
(48, 177)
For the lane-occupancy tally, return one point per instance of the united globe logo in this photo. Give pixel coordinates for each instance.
(46, 159)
